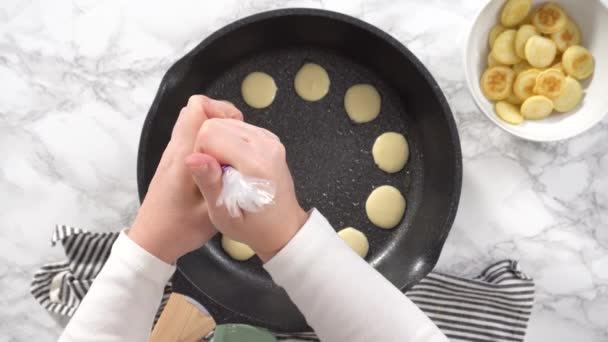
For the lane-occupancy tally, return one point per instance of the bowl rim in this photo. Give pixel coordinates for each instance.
(491, 116)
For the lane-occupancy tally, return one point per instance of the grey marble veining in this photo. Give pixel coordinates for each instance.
(77, 77)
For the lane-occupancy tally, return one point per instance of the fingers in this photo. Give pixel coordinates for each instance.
(187, 125)
(207, 174)
(228, 143)
(230, 111)
(236, 143)
(220, 109)
(252, 129)
(199, 109)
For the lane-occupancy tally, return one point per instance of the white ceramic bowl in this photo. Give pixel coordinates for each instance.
(592, 17)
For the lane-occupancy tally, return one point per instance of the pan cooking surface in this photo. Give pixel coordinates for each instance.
(329, 155)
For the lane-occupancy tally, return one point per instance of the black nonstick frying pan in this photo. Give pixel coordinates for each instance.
(328, 154)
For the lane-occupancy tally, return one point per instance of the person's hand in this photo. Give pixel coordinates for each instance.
(255, 152)
(173, 219)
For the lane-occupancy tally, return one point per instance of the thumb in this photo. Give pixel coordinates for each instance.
(207, 174)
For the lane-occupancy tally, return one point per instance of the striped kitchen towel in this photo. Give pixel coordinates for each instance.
(60, 286)
(494, 306)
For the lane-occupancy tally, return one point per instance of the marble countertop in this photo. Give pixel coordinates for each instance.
(76, 80)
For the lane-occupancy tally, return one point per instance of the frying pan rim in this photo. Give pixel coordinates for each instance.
(184, 61)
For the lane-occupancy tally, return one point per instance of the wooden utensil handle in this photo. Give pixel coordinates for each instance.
(181, 321)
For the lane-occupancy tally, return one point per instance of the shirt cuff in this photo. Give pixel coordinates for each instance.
(310, 242)
(141, 261)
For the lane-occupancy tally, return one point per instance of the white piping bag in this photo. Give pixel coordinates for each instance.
(240, 192)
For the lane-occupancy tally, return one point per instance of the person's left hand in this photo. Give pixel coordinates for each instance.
(173, 219)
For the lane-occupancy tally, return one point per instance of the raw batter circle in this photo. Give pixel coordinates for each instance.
(312, 82)
(356, 240)
(385, 206)
(362, 103)
(391, 152)
(236, 250)
(258, 89)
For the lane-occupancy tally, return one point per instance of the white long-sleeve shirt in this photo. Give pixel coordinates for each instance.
(339, 294)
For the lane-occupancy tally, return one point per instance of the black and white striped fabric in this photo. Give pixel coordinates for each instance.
(492, 307)
(59, 287)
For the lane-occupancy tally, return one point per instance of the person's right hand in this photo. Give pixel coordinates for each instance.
(255, 152)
